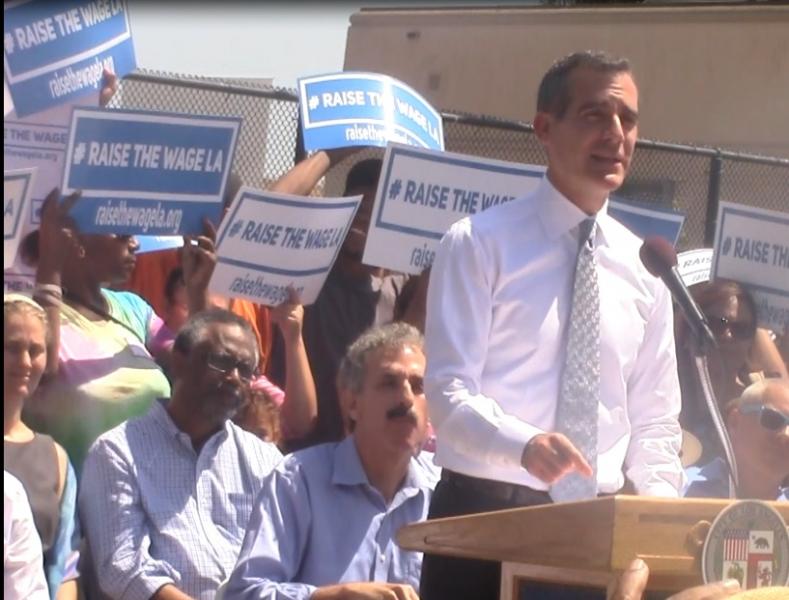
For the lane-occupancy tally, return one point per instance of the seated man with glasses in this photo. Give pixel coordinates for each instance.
(758, 425)
(165, 498)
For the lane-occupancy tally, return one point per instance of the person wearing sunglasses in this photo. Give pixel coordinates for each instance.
(758, 425)
(166, 497)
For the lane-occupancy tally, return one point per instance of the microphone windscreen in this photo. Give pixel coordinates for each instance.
(658, 255)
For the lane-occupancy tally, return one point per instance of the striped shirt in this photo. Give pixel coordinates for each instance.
(156, 512)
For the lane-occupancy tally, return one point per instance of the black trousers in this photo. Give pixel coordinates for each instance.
(449, 578)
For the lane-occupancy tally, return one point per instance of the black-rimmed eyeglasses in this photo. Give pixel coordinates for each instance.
(225, 363)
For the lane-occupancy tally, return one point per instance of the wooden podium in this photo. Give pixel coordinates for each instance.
(581, 543)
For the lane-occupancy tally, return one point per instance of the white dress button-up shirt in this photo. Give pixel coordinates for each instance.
(497, 314)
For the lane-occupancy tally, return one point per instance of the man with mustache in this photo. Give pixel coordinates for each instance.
(165, 498)
(326, 519)
(551, 374)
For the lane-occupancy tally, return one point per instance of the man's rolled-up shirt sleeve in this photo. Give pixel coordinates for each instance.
(459, 317)
(654, 401)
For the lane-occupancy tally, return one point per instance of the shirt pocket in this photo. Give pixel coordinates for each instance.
(239, 510)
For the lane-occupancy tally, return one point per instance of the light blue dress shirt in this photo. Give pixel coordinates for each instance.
(318, 522)
(712, 481)
(156, 512)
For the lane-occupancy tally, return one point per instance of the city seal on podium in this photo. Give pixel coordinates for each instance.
(748, 541)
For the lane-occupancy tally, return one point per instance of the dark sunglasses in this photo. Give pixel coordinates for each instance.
(769, 418)
(225, 363)
(739, 330)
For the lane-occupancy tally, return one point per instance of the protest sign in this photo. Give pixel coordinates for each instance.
(55, 52)
(17, 189)
(269, 242)
(752, 247)
(694, 265)
(147, 173)
(422, 192)
(365, 109)
(645, 221)
(36, 141)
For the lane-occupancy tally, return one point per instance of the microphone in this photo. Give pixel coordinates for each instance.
(660, 259)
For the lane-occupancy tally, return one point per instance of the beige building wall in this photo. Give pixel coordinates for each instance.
(709, 75)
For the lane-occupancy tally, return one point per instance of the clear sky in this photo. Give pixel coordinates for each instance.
(245, 39)
(264, 39)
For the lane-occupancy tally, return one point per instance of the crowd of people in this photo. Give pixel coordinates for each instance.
(163, 442)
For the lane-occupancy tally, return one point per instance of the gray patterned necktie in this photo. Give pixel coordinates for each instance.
(579, 393)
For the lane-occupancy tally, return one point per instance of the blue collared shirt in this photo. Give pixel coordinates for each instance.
(712, 481)
(319, 521)
(156, 512)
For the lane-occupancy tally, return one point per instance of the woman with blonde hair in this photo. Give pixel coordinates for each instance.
(35, 459)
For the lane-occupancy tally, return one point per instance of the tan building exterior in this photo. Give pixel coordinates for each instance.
(709, 75)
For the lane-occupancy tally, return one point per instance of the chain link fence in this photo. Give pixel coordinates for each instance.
(686, 179)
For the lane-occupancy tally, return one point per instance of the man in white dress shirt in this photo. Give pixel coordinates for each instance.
(498, 315)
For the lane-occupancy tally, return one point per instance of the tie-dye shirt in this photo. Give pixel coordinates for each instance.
(106, 374)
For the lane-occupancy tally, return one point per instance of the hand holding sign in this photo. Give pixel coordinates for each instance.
(57, 235)
(289, 316)
(109, 89)
(198, 259)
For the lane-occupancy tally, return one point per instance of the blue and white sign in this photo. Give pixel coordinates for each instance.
(694, 266)
(365, 109)
(268, 242)
(752, 247)
(17, 189)
(421, 193)
(147, 173)
(55, 52)
(36, 141)
(645, 221)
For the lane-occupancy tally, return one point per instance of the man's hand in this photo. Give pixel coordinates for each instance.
(57, 234)
(551, 456)
(289, 316)
(109, 87)
(365, 591)
(631, 583)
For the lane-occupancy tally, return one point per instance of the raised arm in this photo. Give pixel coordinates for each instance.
(306, 174)
(198, 259)
(299, 412)
(56, 241)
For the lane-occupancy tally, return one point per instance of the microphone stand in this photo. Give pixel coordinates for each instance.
(702, 370)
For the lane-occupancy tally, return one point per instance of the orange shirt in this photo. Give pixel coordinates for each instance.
(149, 275)
(256, 315)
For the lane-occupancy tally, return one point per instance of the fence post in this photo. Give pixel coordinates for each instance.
(713, 197)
